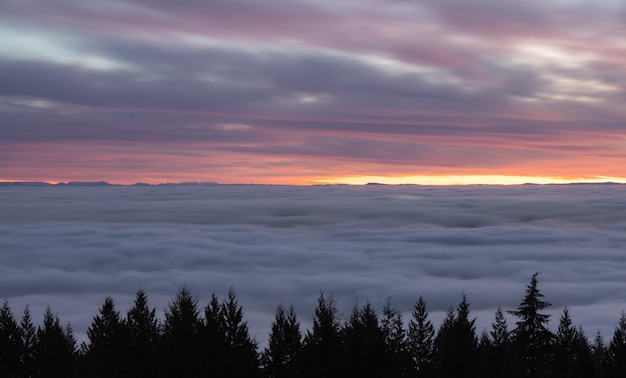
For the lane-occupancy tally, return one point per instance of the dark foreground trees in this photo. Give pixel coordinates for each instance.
(214, 341)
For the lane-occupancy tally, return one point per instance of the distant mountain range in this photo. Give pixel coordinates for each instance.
(101, 183)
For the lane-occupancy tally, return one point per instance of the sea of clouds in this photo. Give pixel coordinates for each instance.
(69, 247)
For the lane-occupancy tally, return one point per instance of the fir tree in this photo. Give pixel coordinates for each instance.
(280, 358)
(106, 352)
(322, 355)
(243, 358)
(142, 331)
(10, 343)
(181, 336)
(421, 339)
(616, 352)
(54, 348)
(364, 344)
(27, 356)
(396, 344)
(598, 355)
(457, 345)
(499, 361)
(572, 356)
(531, 337)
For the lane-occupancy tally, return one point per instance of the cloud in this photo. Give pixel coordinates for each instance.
(69, 247)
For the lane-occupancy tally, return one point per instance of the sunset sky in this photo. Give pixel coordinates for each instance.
(313, 91)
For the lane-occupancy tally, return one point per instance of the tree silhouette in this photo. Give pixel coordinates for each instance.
(421, 340)
(281, 357)
(400, 362)
(27, 355)
(616, 352)
(456, 343)
(181, 336)
(572, 356)
(531, 336)
(242, 359)
(364, 343)
(10, 343)
(105, 355)
(54, 348)
(142, 332)
(322, 354)
(498, 359)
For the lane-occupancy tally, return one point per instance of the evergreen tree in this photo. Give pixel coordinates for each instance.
(531, 337)
(55, 348)
(322, 355)
(243, 358)
(181, 337)
(499, 359)
(572, 356)
(280, 358)
(616, 352)
(10, 343)
(214, 339)
(142, 332)
(364, 344)
(400, 362)
(598, 356)
(105, 355)
(421, 339)
(27, 355)
(456, 354)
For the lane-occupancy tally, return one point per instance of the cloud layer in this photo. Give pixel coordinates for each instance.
(68, 247)
(144, 91)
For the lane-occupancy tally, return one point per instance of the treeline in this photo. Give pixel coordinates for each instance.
(214, 341)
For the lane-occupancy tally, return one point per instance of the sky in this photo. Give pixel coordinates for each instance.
(69, 247)
(312, 91)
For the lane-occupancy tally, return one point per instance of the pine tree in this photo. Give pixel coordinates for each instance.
(10, 343)
(572, 355)
(54, 348)
(499, 361)
(457, 343)
(400, 361)
(243, 358)
(598, 356)
(531, 337)
(421, 339)
(182, 355)
(142, 331)
(364, 344)
(107, 350)
(616, 352)
(27, 356)
(322, 354)
(214, 339)
(280, 358)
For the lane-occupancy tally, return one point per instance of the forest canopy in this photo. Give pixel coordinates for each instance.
(214, 340)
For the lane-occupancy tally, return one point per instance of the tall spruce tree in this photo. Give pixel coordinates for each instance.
(531, 337)
(421, 340)
(243, 357)
(142, 331)
(106, 353)
(280, 358)
(399, 358)
(322, 353)
(54, 348)
(364, 343)
(456, 344)
(616, 351)
(598, 356)
(572, 355)
(214, 339)
(27, 356)
(10, 343)
(499, 360)
(181, 346)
